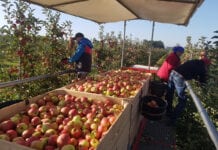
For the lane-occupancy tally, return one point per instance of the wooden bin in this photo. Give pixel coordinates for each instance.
(116, 138)
(135, 115)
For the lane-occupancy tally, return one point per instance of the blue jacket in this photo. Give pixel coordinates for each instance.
(80, 49)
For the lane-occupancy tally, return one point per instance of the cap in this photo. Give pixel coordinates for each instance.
(178, 49)
(206, 61)
(78, 35)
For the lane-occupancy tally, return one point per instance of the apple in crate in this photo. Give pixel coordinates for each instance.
(27, 133)
(4, 137)
(83, 144)
(11, 133)
(7, 125)
(35, 121)
(52, 140)
(38, 144)
(21, 127)
(63, 139)
(68, 147)
(94, 143)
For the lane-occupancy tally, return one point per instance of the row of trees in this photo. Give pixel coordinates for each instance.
(26, 53)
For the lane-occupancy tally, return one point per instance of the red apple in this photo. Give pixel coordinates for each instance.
(73, 141)
(7, 125)
(59, 119)
(81, 88)
(47, 98)
(25, 119)
(20, 140)
(40, 102)
(27, 133)
(67, 97)
(35, 121)
(31, 139)
(83, 144)
(90, 115)
(33, 111)
(111, 118)
(65, 110)
(52, 140)
(102, 128)
(76, 132)
(12, 134)
(63, 139)
(72, 112)
(54, 111)
(86, 111)
(34, 105)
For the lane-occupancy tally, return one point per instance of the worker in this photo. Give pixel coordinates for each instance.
(171, 62)
(192, 69)
(82, 56)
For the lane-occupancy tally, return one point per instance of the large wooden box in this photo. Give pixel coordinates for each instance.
(116, 138)
(135, 114)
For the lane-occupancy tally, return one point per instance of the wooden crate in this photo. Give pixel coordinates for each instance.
(134, 128)
(110, 141)
(118, 134)
(5, 145)
(135, 115)
(123, 140)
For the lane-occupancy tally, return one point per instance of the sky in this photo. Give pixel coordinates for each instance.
(203, 23)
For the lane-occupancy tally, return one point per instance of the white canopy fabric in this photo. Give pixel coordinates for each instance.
(104, 11)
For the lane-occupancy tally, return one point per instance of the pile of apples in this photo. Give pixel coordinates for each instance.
(61, 122)
(119, 83)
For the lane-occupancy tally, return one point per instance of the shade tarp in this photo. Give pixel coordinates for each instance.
(104, 11)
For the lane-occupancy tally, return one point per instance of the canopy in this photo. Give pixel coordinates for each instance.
(103, 11)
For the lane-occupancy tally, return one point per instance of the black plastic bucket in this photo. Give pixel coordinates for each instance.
(153, 107)
(158, 88)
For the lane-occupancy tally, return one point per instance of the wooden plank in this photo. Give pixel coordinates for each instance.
(5, 145)
(123, 140)
(135, 124)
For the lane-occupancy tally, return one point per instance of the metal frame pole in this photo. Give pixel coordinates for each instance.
(17, 82)
(208, 123)
(124, 39)
(152, 38)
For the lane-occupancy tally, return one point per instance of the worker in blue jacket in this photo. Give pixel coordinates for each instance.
(82, 56)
